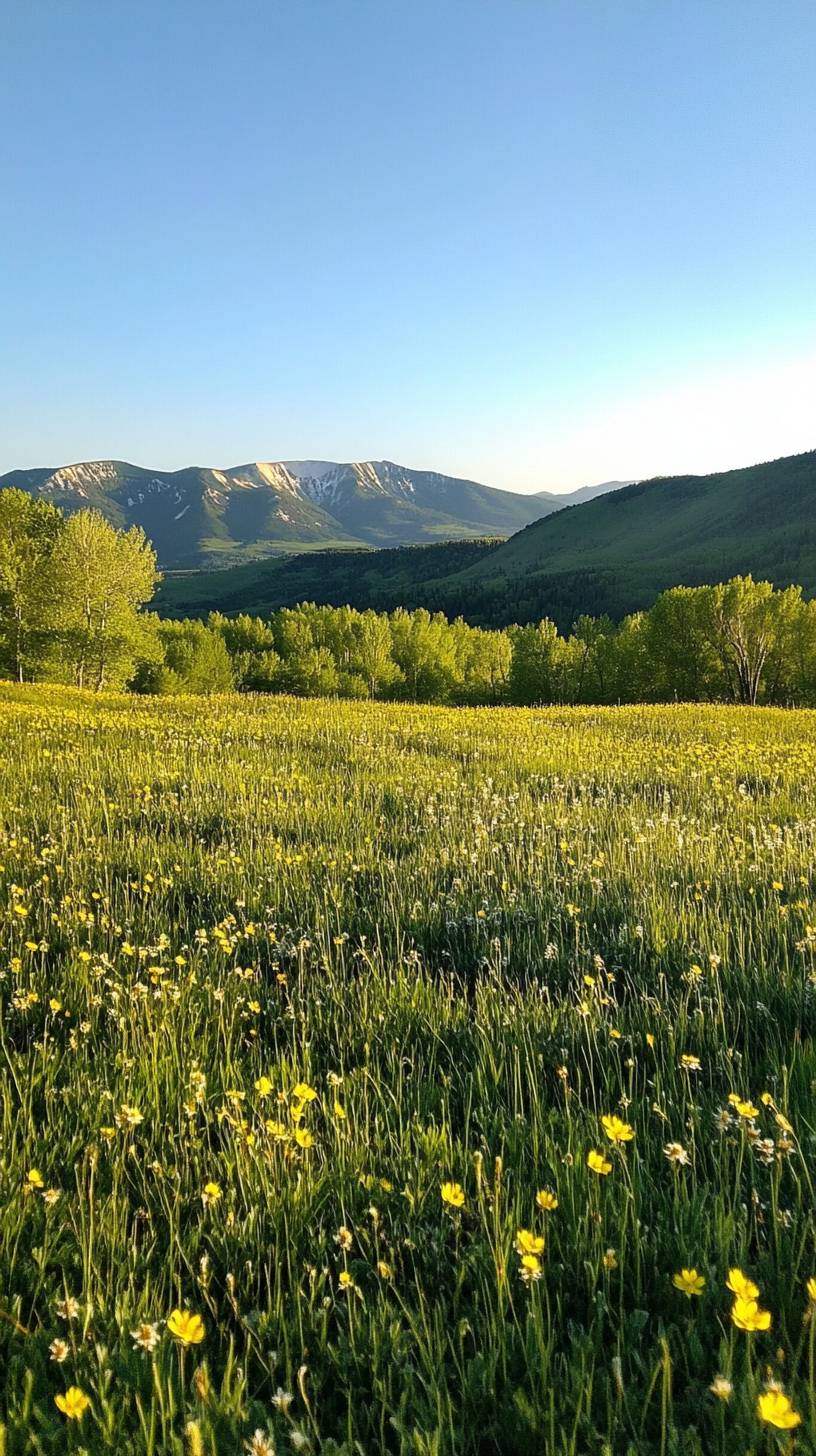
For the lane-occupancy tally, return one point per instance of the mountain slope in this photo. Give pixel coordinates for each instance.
(192, 516)
(616, 553)
(201, 516)
(382, 579)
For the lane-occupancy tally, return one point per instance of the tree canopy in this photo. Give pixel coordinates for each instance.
(73, 593)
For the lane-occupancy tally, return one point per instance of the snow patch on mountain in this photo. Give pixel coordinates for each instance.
(265, 473)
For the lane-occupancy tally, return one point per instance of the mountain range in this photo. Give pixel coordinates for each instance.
(614, 553)
(201, 516)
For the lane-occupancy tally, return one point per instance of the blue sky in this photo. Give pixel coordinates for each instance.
(539, 244)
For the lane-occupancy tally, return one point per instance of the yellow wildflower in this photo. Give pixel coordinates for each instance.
(747, 1315)
(73, 1403)
(186, 1327)
(530, 1268)
(775, 1409)
(453, 1194)
(689, 1282)
(617, 1130)
(597, 1163)
(528, 1243)
(741, 1285)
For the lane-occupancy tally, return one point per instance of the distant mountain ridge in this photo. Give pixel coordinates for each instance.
(202, 516)
(584, 493)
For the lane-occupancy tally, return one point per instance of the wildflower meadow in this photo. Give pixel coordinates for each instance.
(383, 1078)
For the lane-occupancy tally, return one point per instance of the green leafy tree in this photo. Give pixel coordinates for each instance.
(372, 654)
(29, 530)
(425, 652)
(194, 659)
(311, 674)
(250, 643)
(533, 671)
(98, 578)
(683, 663)
(744, 621)
(593, 638)
(484, 659)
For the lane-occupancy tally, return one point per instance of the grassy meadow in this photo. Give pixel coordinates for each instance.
(395, 1079)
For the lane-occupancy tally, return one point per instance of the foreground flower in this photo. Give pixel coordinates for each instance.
(546, 1200)
(530, 1268)
(617, 1130)
(689, 1282)
(210, 1194)
(676, 1153)
(810, 1287)
(59, 1350)
(145, 1337)
(186, 1327)
(747, 1315)
(741, 1285)
(67, 1308)
(743, 1109)
(775, 1409)
(453, 1194)
(73, 1403)
(128, 1116)
(721, 1387)
(34, 1180)
(610, 1259)
(303, 1092)
(528, 1243)
(597, 1163)
(259, 1444)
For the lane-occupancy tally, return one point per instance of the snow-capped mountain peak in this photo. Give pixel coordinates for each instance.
(203, 515)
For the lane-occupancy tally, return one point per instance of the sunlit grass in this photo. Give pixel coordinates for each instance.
(382, 1078)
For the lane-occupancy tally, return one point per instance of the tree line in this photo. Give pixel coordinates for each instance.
(73, 592)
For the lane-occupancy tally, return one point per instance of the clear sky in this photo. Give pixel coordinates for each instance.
(540, 243)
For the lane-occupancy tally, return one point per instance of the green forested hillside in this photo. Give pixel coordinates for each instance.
(379, 579)
(616, 553)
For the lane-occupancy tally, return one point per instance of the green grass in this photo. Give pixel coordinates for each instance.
(474, 932)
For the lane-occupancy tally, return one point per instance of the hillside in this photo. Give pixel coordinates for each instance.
(616, 553)
(202, 517)
(382, 579)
